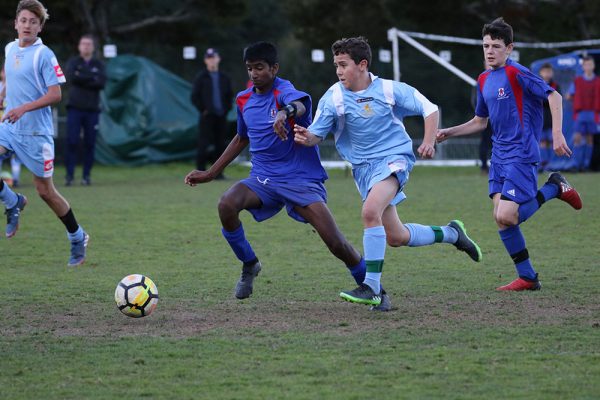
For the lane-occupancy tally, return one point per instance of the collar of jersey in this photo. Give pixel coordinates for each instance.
(36, 43)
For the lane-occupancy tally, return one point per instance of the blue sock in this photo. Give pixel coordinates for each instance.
(240, 246)
(358, 271)
(514, 242)
(424, 235)
(8, 197)
(578, 154)
(374, 243)
(546, 192)
(76, 236)
(587, 155)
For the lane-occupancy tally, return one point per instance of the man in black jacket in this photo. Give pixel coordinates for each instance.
(87, 77)
(212, 95)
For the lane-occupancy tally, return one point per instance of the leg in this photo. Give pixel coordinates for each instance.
(589, 149)
(57, 203)
(90, 131)
(72, 142)
(233, 201)
(578, 150)
(506, 214)
(203, 131)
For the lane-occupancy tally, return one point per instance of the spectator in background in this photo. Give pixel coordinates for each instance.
(547, 74)
(583, 92)
(485, 142)
(212, 95)
(87, 77)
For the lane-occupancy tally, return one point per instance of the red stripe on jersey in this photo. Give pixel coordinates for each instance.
(481, 80)
(243, 99)
(511, 74)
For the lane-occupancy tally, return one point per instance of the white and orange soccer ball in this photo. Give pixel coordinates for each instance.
(136, 296)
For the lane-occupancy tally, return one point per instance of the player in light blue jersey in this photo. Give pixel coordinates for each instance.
(33, 78)
(510, 96)
(282, 175)
(365, 115)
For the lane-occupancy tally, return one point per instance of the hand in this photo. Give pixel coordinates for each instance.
(560, 146)
(442, 134)
(426, 150)
(195, 177)
(279, 125)
(303, 136)
(14, 115)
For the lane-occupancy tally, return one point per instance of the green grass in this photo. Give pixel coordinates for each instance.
(450, 335)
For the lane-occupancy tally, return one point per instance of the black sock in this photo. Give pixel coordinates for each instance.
(1, 184)
(70, 222)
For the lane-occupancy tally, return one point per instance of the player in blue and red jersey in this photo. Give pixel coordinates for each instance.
(511, 98)
(547, 73)
(585, 93)
(283, 173)
(33, 78)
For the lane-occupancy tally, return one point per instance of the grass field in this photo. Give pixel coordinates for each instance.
(450, 335)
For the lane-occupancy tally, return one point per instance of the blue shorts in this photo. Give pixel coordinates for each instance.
(275, 195)
(516, 181)
(35, 151)
(546, 135)
(585, 123)
(367, 174)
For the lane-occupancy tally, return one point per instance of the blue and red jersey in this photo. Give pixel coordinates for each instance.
(273, 158)
(512, 98)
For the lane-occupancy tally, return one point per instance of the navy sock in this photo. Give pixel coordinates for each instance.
(358, 271)
(239, 244)
(514, 242)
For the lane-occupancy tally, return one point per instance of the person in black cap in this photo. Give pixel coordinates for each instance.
(212, 95)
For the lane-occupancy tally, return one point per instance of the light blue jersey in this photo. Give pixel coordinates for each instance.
(368, 124)
(29, 72)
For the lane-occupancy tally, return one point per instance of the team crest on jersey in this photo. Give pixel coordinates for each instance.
(273, 113)
(367, 111)
(502, 94)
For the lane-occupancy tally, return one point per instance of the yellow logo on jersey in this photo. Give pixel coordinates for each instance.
(367, 111)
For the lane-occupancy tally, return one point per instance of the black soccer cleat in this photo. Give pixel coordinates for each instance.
(385, 305)
(243, 289)
(464, 242)
(363, 294)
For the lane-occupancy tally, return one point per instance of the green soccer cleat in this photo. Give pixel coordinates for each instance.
(464, 242)
(363, 294)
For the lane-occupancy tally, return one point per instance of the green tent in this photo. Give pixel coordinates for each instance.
(147, 115)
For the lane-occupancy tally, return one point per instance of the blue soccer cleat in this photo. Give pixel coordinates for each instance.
(78, 250)
(12, 216)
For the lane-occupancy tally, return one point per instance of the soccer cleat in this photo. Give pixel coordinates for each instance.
(363, 294)
(12, 216)
(464, 242)
(520, 284)
(243, 289)
(385, 305)
(566, 192)
(78, 250)
(86, 181)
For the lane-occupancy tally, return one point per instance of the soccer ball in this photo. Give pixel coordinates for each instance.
(136, 296)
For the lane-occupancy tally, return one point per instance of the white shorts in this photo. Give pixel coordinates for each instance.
(35, 151)
(367, 174)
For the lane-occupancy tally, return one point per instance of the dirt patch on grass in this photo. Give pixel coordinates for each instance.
(335, 317)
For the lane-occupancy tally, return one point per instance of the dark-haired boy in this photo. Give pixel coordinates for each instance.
(33, 84)
(511, 96)
(365, 113)
(282, 173)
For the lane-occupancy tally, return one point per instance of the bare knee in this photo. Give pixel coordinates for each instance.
(371, 216)
(506, 218)
(227, 208)
(398, 239)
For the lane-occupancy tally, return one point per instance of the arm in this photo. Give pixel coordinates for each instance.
(284, 114)
(477, 124)
(53, 96)
(427, 148)
(231, 152)
(558, 139)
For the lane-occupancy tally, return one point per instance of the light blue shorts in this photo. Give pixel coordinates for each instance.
(35, 151)
(367, 174)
